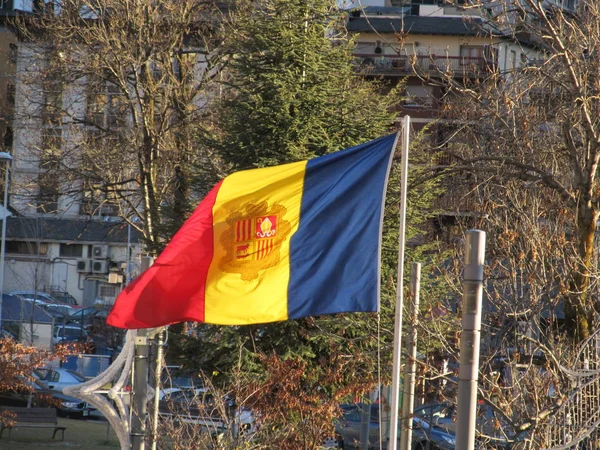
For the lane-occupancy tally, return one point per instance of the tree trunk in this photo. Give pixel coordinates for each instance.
(578, 310)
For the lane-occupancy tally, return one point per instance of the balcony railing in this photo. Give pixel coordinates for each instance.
(457, 66)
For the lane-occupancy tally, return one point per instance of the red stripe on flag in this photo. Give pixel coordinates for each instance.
(172, 290)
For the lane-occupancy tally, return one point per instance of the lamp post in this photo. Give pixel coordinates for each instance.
(6, 158)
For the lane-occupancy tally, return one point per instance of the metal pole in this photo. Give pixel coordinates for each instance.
(410, 368)
(140, 383)
(365, 419)
(160, 343)
(470, 339)
(128, 260)
(140, 391)
(393, 444)
(7, 159)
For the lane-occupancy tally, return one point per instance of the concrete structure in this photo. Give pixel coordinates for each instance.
(30, 323)
(86, 258)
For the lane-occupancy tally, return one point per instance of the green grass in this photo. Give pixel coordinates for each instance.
(80, 434)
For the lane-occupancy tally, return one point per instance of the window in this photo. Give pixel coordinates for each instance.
(95, 202)
(71, 250)
(107, 292)
(47, 200)
(10, 94)
(52, 106)
(470, 55)
(51, 149)
(105, 105)
(7, 140)
(6, 5)
(13, 51)
(48, 180)
(21, 247)
(512, 64)
(419, 96)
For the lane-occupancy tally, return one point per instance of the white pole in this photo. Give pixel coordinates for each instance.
(393, 444)
(468, 370)
(7, 159)
(160, 342)
(128, 260)
(410, 367)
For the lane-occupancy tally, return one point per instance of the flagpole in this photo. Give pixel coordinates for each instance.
(393, 443)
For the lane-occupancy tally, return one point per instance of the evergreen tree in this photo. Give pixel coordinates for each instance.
(292, 92)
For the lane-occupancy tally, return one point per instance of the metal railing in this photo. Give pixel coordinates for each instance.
(433, 64)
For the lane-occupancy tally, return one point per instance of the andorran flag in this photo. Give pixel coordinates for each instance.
(272, 244)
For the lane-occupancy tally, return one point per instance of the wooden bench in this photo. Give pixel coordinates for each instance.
(32, 418)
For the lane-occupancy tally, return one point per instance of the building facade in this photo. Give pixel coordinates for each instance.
(73, 244)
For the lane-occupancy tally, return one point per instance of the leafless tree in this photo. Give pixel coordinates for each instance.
(525, 146)
(537, 125)
(110, 96)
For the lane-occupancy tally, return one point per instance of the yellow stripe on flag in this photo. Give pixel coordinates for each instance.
(255, 215)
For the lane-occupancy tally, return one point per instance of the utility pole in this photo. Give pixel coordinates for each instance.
(160, 344)
(410, 367)
(140, 382)
(397, 353)
(140, 391)
(468, 371)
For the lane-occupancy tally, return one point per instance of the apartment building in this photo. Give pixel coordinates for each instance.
(424, 42)
(59, 243)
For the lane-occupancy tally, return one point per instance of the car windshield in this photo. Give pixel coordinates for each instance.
(77, 376)
(65, 298)
(73, 332)
(69, 332)
(86, 312)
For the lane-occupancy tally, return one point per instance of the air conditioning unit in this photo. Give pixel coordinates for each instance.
(84, 265)
(99, 251)
(99, 266)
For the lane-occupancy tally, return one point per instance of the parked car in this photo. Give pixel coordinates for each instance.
(89, 316)
(41, 395)
(199, 407)
(68, 333)
(173, 379)
(33, 295)
(433, 428)
(65, 298)
(58, 311)
(58, 377)
(60, 298)
(5, 334)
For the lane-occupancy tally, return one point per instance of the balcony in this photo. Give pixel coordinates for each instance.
(432, 65)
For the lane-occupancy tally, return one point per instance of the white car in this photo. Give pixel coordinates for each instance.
(57, 378)
(68, 333)
(197, 406)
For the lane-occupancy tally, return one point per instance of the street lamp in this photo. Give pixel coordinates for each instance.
(6, 158)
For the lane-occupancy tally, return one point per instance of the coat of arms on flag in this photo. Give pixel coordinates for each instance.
(253, 239)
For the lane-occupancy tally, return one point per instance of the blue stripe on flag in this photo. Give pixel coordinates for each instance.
(334, 262)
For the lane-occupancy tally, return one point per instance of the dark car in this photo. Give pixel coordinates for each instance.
(426, 434)
(86, 317)
(434, 427)
(490, 431)
(40, 395)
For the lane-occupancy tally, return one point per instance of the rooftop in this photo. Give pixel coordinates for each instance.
(444, 26)
(68, 230)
